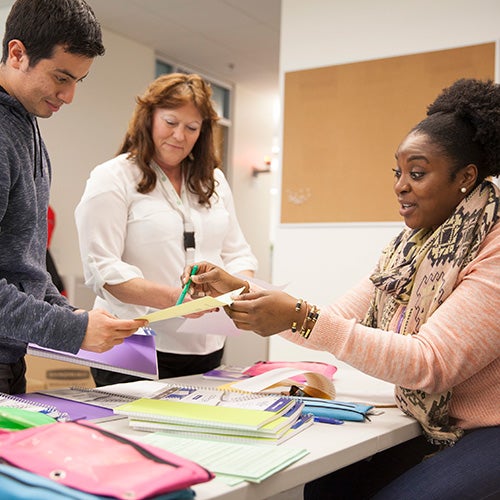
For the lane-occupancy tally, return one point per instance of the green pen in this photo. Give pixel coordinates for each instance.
(182, 296)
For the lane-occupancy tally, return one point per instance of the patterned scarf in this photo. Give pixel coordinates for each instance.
(415, 274)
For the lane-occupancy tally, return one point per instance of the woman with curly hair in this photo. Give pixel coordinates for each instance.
(426, 319)
(161, 203)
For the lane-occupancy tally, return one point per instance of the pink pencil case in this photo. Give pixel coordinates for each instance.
(90, 459)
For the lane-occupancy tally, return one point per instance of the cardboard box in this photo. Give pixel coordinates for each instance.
(44, 373)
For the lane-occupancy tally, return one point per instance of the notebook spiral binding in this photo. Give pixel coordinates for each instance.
(170, 389)
(113, 395)
(10, 401)
(229, 394)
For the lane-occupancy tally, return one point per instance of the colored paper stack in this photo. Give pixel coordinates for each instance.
(209, 413)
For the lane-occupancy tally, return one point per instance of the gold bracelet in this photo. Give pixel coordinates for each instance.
(311, 317)
(298, 306)
(313, 314)
(303, 328)
(306, 333)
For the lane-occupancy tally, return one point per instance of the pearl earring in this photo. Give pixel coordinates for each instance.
(463, 189)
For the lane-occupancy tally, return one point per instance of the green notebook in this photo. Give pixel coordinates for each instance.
(178, 412)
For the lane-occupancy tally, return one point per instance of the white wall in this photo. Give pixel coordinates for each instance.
(254, 127)
(322, 261)
(254, 119)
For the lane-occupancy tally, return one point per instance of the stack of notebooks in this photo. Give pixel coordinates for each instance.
(210, 413)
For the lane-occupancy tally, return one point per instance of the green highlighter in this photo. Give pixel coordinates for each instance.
(16, 419)
(182, 296)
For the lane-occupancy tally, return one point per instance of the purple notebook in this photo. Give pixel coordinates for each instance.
(75, 409)
(136, 356)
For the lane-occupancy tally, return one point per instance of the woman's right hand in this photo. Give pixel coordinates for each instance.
(265, 312)
(212, 280)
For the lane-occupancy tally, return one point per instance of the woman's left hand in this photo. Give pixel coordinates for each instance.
(266, 312)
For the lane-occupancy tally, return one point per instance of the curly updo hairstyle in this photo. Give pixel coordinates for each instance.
(464, 121)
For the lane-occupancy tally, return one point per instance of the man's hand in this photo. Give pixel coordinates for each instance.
(104, 331)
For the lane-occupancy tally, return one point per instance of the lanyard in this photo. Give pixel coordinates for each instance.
(181, 205)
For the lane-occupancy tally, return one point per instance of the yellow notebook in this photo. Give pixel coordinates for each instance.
(172, 411)
(274, 428)
(266, 435)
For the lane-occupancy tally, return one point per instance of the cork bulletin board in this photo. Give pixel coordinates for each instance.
(343, 124)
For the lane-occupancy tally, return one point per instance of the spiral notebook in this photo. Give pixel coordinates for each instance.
(75, 409)
(197, 415)
(10, 401)
(135, 356)
(273, 433)
(110, 396)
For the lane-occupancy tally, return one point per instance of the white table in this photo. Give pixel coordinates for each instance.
(331, 447)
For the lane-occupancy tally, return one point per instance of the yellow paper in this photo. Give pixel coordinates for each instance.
(193, 306)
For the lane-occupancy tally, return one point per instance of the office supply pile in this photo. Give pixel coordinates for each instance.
(211, 413)
(264, 404)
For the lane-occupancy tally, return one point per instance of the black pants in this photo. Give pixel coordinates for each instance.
(13, 377)
(169, 365)
(361, 480)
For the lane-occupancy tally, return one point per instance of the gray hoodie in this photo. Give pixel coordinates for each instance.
(31, 308)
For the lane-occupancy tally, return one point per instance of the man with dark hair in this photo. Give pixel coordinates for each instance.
(48, 47)
(43, 24)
